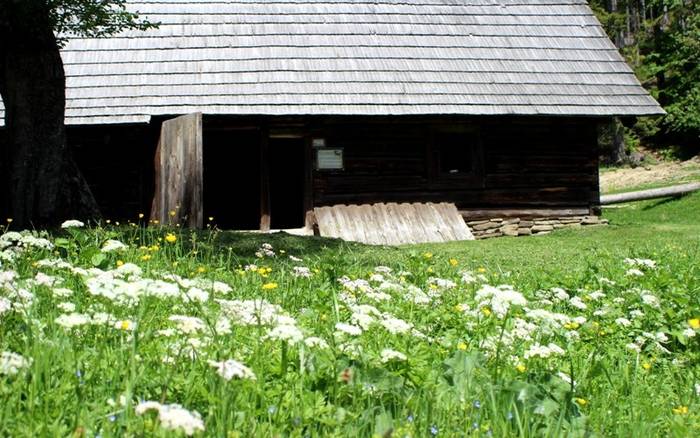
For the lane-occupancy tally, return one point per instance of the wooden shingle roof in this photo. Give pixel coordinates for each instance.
(353, 57)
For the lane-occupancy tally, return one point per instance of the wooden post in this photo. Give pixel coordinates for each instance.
(308, 184)
(265, 218)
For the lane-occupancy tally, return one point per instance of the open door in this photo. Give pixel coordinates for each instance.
(179, 173)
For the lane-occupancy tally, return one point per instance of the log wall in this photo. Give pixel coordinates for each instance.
(523, 163)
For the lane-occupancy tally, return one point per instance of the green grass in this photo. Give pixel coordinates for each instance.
(465, 371)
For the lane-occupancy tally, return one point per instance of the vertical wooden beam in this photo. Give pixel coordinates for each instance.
(308, 183)
(265, 213)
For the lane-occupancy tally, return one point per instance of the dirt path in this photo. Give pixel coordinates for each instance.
(666, 173)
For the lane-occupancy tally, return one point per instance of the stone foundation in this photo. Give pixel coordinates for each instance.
(497, 227)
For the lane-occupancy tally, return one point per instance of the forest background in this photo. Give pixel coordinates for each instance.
(660, 40)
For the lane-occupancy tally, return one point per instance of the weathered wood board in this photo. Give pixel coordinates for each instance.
(178, 197)
(392, 223)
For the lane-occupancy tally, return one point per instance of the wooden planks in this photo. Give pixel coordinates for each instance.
(392, 223)
(178, 197)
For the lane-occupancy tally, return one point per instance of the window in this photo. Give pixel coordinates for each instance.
(456, 155)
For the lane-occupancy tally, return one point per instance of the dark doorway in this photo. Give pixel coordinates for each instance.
(232, 179)
(286, 159)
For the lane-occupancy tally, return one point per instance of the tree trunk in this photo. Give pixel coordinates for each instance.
(42, 182)
(618, 154)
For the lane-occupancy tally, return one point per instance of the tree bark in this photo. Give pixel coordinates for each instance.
(618, 155)
(42, 182)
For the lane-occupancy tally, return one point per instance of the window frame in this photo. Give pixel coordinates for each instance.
(475, 178)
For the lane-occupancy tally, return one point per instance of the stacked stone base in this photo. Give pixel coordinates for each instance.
(497, 227)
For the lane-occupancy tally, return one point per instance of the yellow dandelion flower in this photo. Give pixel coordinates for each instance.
(680, 410)
(694, 323)
(201, 269)
(140, 215)
(120, 263)
(462, 346)
(269, 286)
(211, 218)
(146, 257)
(646, 366)
(170, 238)
(459, 308)
(125, 325)
(520, 368)
(486, 311)
(155, 221)
(8, 220)
(172, 213)
(428, 255)
(581, 401)
(481, 270)
(571, 325)
(454, 262)
(430, 270)
(324, 317)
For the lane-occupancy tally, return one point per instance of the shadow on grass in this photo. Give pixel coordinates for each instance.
(669, 200)
(245, 244)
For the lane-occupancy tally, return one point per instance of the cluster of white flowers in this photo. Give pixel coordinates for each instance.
(634, 272)
(395, 326)
(289, 333)
(72, 223)
(173, 417)
(388, 355)
(265, 250)
(253, 312)
(188, 324)
(11, 363)
(18, 242)
(113, 246)
(315, 342)
(302, 272)
(543, 351)
(348, 329)
(441, 283)
(499, 299)
(230, 368)
(578, 303)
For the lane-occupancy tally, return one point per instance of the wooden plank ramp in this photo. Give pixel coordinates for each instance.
(392, 223)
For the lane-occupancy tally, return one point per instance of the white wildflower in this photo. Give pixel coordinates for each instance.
(5, 305)
(231, 368)
(62, 292)
(544, 351)
(650, 300)
(289, 333)
(624, 322)
(301, 272)
(578, 303)
(221, 288)
(44, 280)
(72, 320)
(348, 329)
(634, 272)
(196, 294)
(66, 307)
(174, 417)
(388, 355)
(314, 342)
(295, 259)
(72, 224)
(188, 324)
(113, 245)
(633, 347)
(689, 332)
(223, 326)
(594, 296)
(11, 363)
(396, 326)
(559, 294)
(499, 299)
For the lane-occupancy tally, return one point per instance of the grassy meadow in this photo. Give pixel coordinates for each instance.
(129, 331)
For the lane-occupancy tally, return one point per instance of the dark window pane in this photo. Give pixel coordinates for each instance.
(455, 153)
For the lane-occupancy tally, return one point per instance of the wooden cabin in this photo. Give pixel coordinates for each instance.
(259, 111)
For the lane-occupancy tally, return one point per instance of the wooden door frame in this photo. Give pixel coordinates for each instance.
(265, 200)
